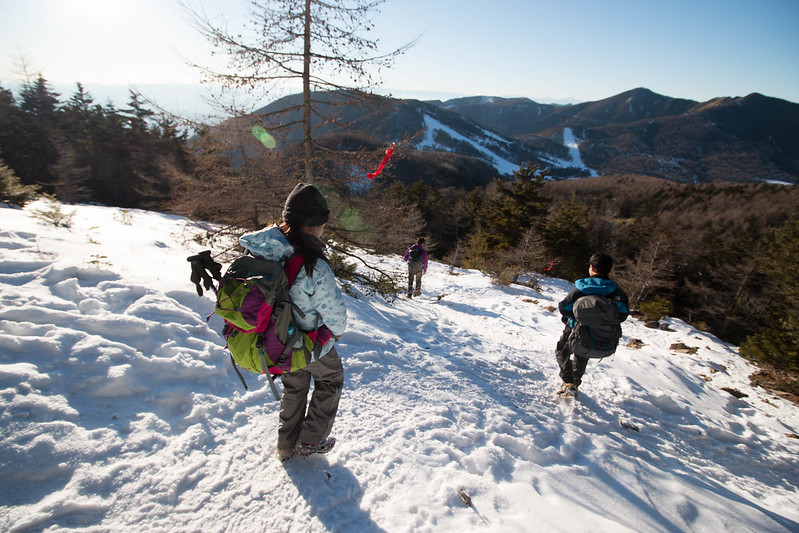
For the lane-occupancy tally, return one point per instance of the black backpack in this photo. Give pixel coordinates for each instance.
(597, 328)
(414, 255)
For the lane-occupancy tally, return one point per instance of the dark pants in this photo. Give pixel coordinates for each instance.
(415, 272)
(571, 368)
(314, 424)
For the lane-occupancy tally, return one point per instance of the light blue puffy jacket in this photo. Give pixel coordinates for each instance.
(318, 296)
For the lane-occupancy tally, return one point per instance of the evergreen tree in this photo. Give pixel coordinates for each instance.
(171, 142)
(504, 218)
(143, 183)
(109, 158)
(71, 175)
(481, 251)
(137, 115)
(426, 198)
(566, 235)
(778, 342)
(81, 151)
(452, 221)
(11, 190)
(513, 208)
(74, 170)
(521, 204)
(13, 136)
(41, 133)
(79, 108)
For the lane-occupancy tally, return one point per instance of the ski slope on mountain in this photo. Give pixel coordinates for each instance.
(120, 410)
(489, 145)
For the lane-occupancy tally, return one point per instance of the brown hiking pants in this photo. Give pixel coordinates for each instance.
(311, 425)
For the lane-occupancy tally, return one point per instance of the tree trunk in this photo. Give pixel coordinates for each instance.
(306, 97)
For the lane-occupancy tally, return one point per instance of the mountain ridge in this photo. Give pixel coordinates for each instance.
(739, 139)
(725, 139)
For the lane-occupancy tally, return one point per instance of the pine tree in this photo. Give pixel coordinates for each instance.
(71, 175)
(13, 137)
(109, 158)
(481, 251)
(74, 171)
(41, 133)
(521, 204)
(504, 216)
(451, 221)
(778, 342)
(11, 190)
(144, 184)
(566, 234)
(514, 207)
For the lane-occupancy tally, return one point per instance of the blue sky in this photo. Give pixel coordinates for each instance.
(563, 50)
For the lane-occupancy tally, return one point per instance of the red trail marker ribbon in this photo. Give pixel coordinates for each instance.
(382, 163)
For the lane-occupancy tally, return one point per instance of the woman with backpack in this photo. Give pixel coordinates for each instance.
(416, 256)
(305, 429)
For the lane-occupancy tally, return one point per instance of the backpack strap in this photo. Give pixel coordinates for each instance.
(275, 391)
(292, 267)
(266, 371)
(236, 368)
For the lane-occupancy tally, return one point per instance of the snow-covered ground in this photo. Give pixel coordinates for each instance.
(120, 410)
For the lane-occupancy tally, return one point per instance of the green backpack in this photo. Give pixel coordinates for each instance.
(260, 329)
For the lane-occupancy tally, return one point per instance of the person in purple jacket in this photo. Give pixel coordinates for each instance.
(416, 256)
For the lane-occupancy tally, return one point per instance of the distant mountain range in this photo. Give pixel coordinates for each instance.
(468, 141)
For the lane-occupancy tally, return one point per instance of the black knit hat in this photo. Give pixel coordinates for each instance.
(305, 206)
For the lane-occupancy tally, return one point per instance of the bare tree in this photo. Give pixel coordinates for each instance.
(650, 271)
(318, 42)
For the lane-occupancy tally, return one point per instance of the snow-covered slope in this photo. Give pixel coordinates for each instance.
(119, 408)
(487, 146)
(575, 161)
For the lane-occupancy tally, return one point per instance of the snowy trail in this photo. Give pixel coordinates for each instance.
(119, 407)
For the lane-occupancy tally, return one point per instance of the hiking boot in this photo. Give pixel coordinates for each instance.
(568, 390)
(324, 446)
(284, 454)
(417, 292)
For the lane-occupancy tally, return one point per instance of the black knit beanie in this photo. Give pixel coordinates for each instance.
(305, 206)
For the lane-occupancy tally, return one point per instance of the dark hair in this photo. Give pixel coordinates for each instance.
(602, 264)
(420, 241)
(309, 246)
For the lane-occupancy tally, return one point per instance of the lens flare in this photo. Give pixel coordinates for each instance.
(263, 136)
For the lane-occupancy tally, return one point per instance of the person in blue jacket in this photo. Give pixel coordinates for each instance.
(599, 283)
(315, 293)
